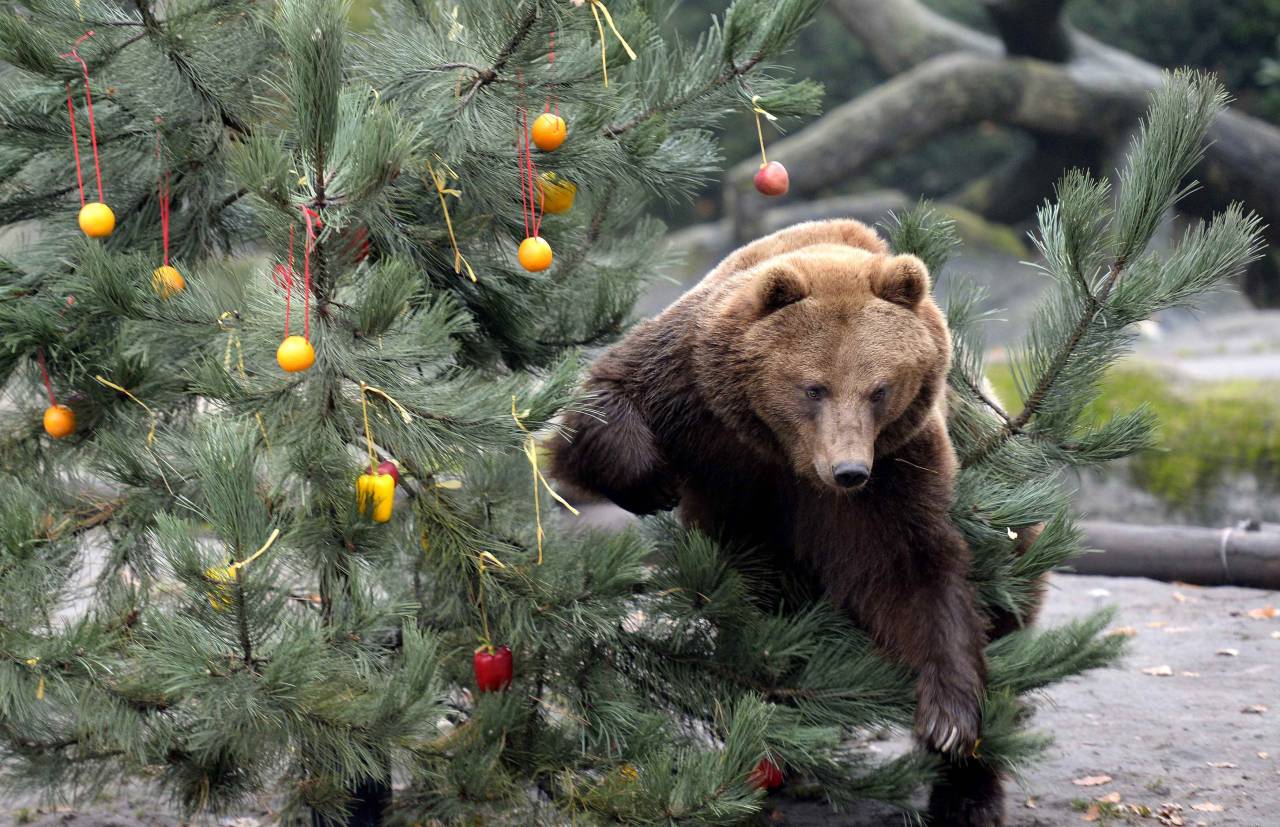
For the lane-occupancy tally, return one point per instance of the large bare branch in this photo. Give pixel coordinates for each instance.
(1085, 99)
(900, 34)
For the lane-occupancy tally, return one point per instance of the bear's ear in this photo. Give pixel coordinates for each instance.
(902, 280)
(778, 286)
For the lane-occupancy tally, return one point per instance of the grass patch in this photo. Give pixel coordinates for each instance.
(1207, 431)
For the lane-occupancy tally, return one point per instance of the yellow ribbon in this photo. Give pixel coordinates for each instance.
(151, 432)
(229, 574)
(40, 683)
(604, 52)
(233, 340)
(759, 110)
(440, 179)
(531, 453)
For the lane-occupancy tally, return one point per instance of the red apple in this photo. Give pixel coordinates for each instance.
(772, 179)
(492, 668)
(389, 466)
(766, 776)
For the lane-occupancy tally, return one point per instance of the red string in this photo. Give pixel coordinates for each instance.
(309, 215)
(162, 188)
(44, 374)
(535, 204)
(75, 144)
(88, 100)
(284, 280)
(522, 137)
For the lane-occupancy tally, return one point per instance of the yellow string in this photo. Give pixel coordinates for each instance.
(234, 568)
(531, 453)
(233, 340)
(604, 51)
(759, 110)
(404, 414)
(439, 179)
(368, 433)
(151, 432)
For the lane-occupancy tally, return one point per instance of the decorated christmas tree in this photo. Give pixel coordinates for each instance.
(272, 509)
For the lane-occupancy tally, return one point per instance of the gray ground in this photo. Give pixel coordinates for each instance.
(1185, 739)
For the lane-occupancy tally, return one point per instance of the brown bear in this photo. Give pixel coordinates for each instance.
(794, 401)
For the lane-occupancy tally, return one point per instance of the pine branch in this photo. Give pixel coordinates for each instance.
(727, 76)
(1096, 303)
(488, 76)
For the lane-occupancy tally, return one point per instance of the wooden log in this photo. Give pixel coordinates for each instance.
(1241, 556)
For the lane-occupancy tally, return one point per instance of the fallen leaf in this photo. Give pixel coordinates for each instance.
(1110, 798)
(1092, 814)
(1255, 709)
(1122, 631)
(1176, 630)
(1180, 597)
(1189, 674)
(1265, 613)
(1157, 624)
(1030, 803)
(1222, 765)
(1162, 671)
(1099, 593)
(1228, 653)
(1264, 755)
(1091, 780)
(1207, 807)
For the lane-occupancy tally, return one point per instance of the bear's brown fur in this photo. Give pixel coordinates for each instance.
(793, 401)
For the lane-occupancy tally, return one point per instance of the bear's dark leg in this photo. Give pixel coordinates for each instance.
(615, 454)
(969, 794)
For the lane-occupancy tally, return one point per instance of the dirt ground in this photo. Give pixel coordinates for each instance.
(1205, 737)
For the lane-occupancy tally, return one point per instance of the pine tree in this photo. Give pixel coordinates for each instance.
(192, 592)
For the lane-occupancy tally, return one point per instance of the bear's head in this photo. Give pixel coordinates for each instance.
(825, 358)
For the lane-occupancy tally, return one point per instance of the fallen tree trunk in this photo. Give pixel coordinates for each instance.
(1248, 556)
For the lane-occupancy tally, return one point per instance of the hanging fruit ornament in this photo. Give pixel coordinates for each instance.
(96, 218)
(549, 132)
(295, 354)
(771, 179)
(534, 254)
(59, 421)
(375, 495)
(557, 193)
(167, 281)
(493, 668)
(766, 776)
(222, 579)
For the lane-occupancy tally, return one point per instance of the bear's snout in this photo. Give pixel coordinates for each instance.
(851, 475)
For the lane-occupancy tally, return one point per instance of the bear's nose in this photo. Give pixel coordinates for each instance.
(851, 474)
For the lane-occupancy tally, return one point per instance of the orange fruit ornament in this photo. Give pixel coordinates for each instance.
(534, 254)
(295, 354)
(59, 421)
(556, 193)
(167, 281)
(97, 220)
(549, 132)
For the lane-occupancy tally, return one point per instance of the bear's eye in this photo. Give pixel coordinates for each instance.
(815, 391)
(879, 393)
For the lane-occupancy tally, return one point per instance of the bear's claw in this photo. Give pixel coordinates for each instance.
(948, 720)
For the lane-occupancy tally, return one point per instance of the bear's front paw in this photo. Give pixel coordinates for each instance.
(948, 717)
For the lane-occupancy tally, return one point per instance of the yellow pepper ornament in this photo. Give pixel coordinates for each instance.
(222, 579)
(375, 495)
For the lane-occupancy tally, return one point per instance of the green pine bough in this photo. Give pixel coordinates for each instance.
(191, 596)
